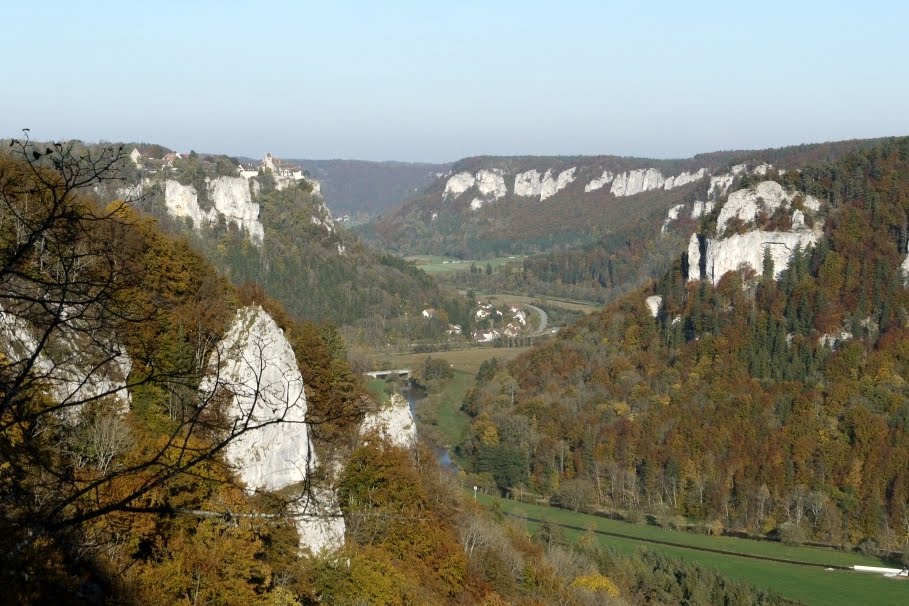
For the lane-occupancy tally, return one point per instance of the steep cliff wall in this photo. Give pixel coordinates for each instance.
(393, 422)
(231, 199)
(256, 368)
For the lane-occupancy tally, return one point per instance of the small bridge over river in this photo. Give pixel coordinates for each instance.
(402, 373)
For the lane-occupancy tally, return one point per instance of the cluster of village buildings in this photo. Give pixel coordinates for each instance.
(494, 321)
(284, 172)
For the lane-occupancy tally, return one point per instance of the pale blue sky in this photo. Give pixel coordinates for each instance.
(438, 81)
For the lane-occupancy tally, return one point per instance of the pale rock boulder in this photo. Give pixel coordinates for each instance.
(393, 422)
(798, 219)
(528, 184)
(491, 183)
(653, 304)
(476, 204)
(256, 369)
(761, 170)
(599, 182)
(459, 183)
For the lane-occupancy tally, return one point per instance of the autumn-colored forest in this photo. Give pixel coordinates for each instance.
(771, 407)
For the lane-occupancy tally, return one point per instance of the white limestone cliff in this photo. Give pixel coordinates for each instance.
(694, 258)
(491, 183)
(393, 421)
(476, 204)
(599, 182)
(459, 183)
(653, 304)
(701, 208)
(684, 179)
(551, 186)
(528, 184)
(183, 201)
(73, 366)
(256, 369)
(230, 197)
(671, 216)
(733, 251)
(747, 250)
(766, 197)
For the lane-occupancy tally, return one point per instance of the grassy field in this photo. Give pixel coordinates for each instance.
(433, 264)
(807, 584)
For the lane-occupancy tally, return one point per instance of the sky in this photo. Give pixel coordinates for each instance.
(438, 81)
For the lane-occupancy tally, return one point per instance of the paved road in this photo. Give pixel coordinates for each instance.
(543, 319)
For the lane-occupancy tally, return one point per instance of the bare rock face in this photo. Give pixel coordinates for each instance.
(599, 182)
(528, 184)
(671, 216)
(393, 421)
(730, 251)
(491, 183)
(905, 266)
(231, 198)
(551, 186)
(459, 183)
(255, 367)
(72, 366)
(653, 304)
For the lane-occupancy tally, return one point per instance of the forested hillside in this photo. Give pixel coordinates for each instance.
(287, 242)
(772, 399)
(116, 485)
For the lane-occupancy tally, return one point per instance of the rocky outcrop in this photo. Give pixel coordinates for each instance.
(905, 266)
(599, 182)
(393, 422)
(653, 304)
(230, 197)
(766, 197)
(747, 251)
(671, 216)
(459, 183)
(728, 250)
(491, 183)
(701, 208)
(684, 179)
(528, 184)
(637, 181)
(182, 201)
(74, 366)
(551, 186)
(255, 368)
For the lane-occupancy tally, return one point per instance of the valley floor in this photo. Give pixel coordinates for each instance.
(803, 577)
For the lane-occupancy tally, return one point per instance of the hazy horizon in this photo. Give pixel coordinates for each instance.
(412, 82)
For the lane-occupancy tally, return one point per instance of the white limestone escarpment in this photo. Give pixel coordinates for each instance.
(632, 182)
(671, 216)
(256, 369)
(491, 183)
(459, 183)
(905, 266)
(528, 184)
(393, 422)
(733, 251)
(550, 186)
(231, 198)
(73, 366)
(599, 182)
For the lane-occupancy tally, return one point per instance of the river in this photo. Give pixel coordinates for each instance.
(415, 395)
